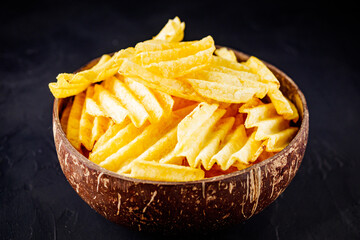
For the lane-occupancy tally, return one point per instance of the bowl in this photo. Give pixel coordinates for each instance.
(202, 205)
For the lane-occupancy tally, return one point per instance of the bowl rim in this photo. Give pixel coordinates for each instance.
(94, 166)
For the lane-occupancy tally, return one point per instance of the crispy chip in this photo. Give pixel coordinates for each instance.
(170, 86)
(258, 67)
(110, 133)
(133, 149)
(147, 98)
(236, 141)
(73, 126)
(280, 140)
(165, 172)
(222, 62)
(191, 146)
(101, 124)
(161, 148)
(86, 123)
(110, 104)
(194, 120)
(93, 108)
(173, 31)
(226, 54)
(224, 92)
(136, 111)
(123, 137)
(248, 153)
(213, 142)
(65, 116)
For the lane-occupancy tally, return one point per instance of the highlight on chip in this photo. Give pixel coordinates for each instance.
(173, 110)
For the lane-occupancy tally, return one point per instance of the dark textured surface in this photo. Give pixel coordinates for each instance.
(315, 44)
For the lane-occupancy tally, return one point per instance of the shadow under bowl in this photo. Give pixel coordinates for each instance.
(201, 206)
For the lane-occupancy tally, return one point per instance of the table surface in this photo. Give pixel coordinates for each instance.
(315, 44)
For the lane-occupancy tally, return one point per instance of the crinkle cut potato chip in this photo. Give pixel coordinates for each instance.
(174, 110)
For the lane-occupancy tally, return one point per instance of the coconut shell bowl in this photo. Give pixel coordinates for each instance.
(203, 205)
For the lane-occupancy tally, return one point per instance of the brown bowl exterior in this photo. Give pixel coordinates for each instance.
(203, 205)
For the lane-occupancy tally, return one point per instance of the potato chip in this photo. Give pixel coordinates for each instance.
(170, 86)
(235, 142)
(161, 148)
(111, 106)
(93, 108)
(194, 120)
(278, 141)
(258, 67)
(149, 57)
(191, 146)
(226, 54)
(110, 133)
(181, 103)
(133, 149)
(282, 105)
(224, 92)
(213, 142)
(65, 116)
(136, 111)
(147, 99)
(222, 62)
(173, 31)
(123, 137)
(182, 66)
(86, 123)
(258, 113)
(247, 154)
(101, 124)
(165, 100)
(165, 172)
(73, 126)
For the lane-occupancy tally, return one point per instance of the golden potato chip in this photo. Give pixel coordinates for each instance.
(278, 141)
(226, 54)
(236, 141)
(136, 111)
(258, 67)
(161, 148)
(73, 126)
(173, 31)
(258, 113)
(282, 105)
(212, 143)
(165, 100)
(110, 133)
(218, 61)
(224, 92)
(123, 137)
(248, 153)
(165, 172)
(149, 57)
(101, 124)
(65, 116)
(147, 99)
(93, 108)
(170, 86)
(143, 141)
(191, 145)
(194, 120)
(86, 123)
(181, 66)
(110, 104)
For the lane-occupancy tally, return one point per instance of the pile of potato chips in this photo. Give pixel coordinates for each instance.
(170, 110)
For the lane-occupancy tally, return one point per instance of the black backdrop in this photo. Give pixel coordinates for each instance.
(315, 43)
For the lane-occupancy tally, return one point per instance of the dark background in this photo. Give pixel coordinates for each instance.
(315, 43)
